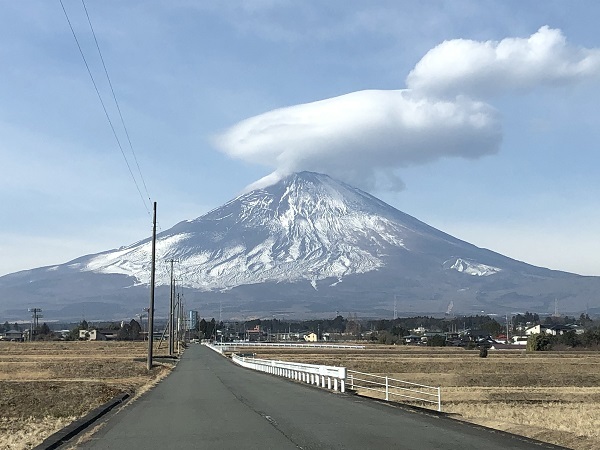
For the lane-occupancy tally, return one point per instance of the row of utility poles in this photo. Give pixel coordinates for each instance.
(177, 322)
(176, 317)
(36, 314)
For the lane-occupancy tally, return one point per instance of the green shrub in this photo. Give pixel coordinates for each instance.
(539, 342)
(436, 341)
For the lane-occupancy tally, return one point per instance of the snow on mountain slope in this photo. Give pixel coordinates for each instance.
(305, 227)
(471, 268)
(308, 245)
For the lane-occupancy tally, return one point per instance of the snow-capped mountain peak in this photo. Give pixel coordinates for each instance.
(305, 243)
(305, 227)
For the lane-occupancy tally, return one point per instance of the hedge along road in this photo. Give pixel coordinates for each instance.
(208, 402)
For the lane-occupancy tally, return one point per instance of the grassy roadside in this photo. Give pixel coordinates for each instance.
(46, 385)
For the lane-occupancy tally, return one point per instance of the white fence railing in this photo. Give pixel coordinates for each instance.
(397, 389)
(233, 345)
(216, 348)
(337, 378)
(329, 377)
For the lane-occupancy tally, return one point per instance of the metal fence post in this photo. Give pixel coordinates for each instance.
(321, 376)
(387, 389)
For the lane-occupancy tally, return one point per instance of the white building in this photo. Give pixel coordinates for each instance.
(311, 337)
(536, 329)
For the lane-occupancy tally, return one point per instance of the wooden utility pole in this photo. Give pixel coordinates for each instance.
(152, 280)
(172, 314)
(182, 325)
(35, 324)
(178, 324)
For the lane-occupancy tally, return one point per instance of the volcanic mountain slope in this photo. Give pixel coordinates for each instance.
(306, 227)
(307, 244)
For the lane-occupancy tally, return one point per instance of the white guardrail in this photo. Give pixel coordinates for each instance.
(329, 377)
(391, 387)
(228, 346)
(337, 378)
(216, 348)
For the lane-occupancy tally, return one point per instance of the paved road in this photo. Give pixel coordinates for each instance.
(208, 402)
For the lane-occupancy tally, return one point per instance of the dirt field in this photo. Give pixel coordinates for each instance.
(550, 396)
(553, 397)
(45, 386)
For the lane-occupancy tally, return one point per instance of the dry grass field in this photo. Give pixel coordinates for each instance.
(549, 396)
(46, 385)
(553, 396)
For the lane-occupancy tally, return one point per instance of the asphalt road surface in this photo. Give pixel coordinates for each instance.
(208, 402)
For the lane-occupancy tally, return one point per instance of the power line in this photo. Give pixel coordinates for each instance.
(116, 102)
(104, 107)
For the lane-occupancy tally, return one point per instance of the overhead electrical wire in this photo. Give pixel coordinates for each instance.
(116, 102)
(104, 106)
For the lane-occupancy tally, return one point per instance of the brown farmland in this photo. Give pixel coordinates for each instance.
(45, 386)
(549, 396)
(553, 396)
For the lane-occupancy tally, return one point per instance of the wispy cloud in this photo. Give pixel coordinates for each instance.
(363, 136)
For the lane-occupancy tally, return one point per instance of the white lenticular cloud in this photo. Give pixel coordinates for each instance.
(355, 134)
(478, 69)
(362, 137)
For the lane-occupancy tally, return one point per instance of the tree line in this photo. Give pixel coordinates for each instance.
(385, 331)
(590, 338)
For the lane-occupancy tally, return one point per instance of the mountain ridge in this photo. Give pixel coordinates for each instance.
(338, 247)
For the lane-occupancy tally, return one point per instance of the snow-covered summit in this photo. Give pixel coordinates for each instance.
(307, 226)
(306, 244)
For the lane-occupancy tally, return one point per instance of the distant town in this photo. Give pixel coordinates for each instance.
(515, 331)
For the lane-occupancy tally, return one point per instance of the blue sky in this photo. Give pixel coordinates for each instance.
(480, 118)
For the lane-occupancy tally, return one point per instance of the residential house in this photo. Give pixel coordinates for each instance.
(519, 340)
(311, 337)
(13, 335)
(578, 329)
(475, 335)
(430, 334)
(412, 339)
(557, 330)
(254, 334)
(91, 335)
(536, 329)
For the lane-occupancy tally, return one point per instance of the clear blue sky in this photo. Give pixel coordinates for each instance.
(491, 136)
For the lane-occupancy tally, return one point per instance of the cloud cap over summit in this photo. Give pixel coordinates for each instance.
(351, 135)
(361, 136)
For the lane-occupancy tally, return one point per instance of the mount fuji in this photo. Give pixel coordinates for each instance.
(305, 246)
